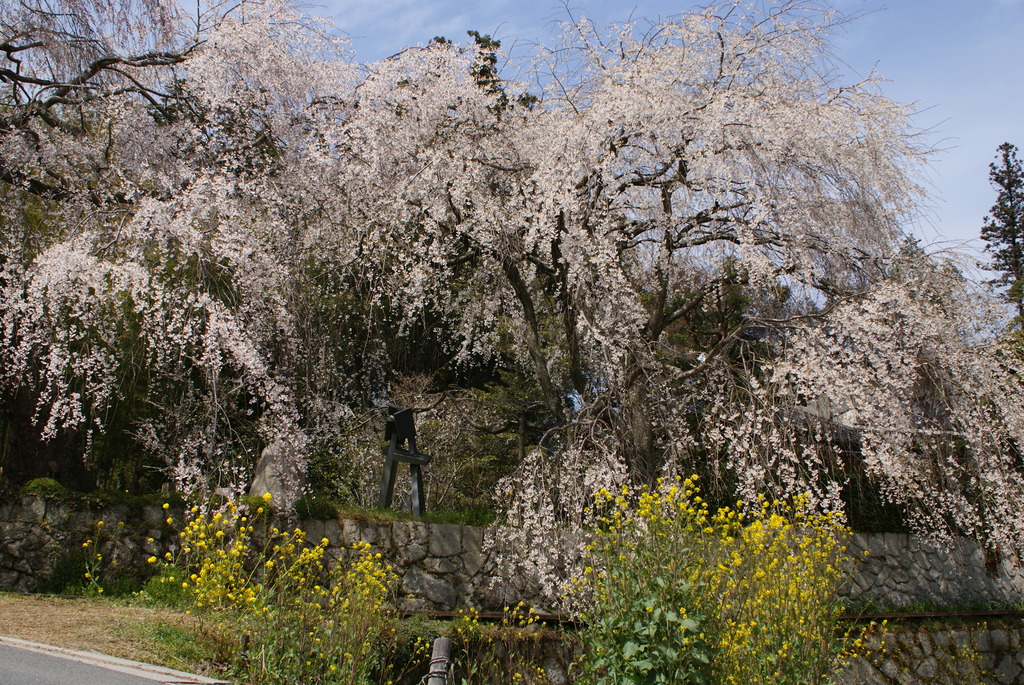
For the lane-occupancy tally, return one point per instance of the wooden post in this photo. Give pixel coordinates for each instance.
(440, 659)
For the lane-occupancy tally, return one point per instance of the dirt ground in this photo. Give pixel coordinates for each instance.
(92, 624)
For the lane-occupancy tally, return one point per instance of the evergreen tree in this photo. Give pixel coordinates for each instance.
(1004, 226)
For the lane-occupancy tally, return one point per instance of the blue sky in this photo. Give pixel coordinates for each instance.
(960, 61)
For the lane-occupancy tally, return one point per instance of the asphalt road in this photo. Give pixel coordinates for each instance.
(29, 663)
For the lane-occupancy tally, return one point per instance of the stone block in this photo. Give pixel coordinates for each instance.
(928, 668)
(382, 533)
(350, 533)
(473, 561)
(440, 592)
(472, 538)
(33, 509)
(999, 639)
(440, 565)
(890, 668)
(980, 640)
(314, 529)
(23, 567)
(876, 545)
(278, 474)
(445, 540)
(555, 671)
(895, 544)
(464, 591)
(35, 541)
(409, 554)
(1006, 671)
(115, 515)
(11, 534)
(415, 604)
(409, 533)
(369, 532)
(153, 516)
(961, 639)
(332, 531)
(860, 672)
(82, 522)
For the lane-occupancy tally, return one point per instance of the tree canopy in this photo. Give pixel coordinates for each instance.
(1003, 230)
(678, 248)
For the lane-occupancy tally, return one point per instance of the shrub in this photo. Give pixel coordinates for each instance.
(496, 653)
(94, 567)
(47, 488)
(676, 594)
(288, 612)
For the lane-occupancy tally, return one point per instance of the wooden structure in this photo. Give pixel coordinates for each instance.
(400, 432)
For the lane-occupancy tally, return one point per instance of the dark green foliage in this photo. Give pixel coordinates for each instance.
(312, 507)
(164, 589)
(326, 470)
(67, 575)
(485, 67)
(868, 512)
(316, 508)
(1004, 226)
(52, 491)
(641, 642)
(47, 488)
(485, 71)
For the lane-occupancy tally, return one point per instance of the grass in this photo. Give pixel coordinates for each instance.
(117, 627)
(186, 648)
(52, 491)
(306, 508)
(126, 628)
(929, 607)
(312, 507)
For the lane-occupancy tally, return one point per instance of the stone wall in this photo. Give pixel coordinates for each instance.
(442, 567)
(896, 569)
(448, 567)
(40, 536)
(939, 656)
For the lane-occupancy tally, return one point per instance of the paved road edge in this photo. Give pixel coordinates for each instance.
(159, 674)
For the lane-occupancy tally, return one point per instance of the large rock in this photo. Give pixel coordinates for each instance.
(278, 473)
